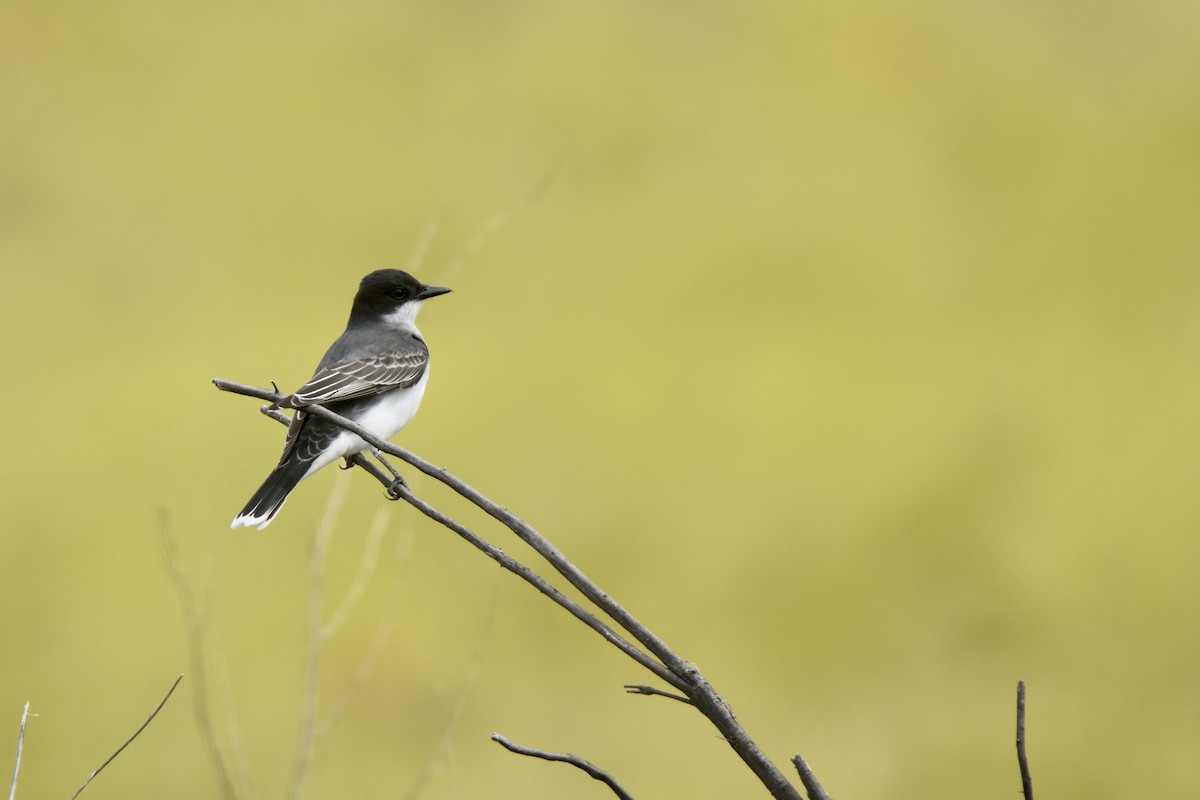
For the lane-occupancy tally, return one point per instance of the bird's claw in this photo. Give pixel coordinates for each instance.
(393, 489)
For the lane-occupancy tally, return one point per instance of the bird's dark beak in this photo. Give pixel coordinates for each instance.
(431, 291)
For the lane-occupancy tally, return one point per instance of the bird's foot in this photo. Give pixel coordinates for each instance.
(346, 463)
(394, 489)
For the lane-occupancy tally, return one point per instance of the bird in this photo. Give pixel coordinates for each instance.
(374, 374)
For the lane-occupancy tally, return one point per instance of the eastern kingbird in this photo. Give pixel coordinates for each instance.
(374, 374)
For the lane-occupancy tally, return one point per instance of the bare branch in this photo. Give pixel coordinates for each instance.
(396, 492)
(665, 663)
(811, 784)
(275, 413)
(1022, 760)
(523, 530)
(637, 688)
(567, 758)
(128, 741)
(12, 792)
(538, 582)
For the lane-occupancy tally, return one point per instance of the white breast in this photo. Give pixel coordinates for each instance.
(394, 410)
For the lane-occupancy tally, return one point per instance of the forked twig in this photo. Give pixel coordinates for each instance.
(128, 741)
(566, 758)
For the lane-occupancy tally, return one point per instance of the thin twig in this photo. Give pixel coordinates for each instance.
(539, 583)
(275, 413)
(638, 688)
(129, 741)
(12, 792)
(516, 567)
(566, 758)
(665, 662)
(1022, 760)
(195, 626)
(811, 784)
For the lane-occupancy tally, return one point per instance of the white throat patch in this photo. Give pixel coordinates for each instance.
(405, 317)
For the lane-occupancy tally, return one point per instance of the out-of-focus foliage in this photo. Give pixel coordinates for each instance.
(853, 346)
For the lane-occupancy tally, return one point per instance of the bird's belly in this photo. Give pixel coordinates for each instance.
(393, 410)
(389, 413)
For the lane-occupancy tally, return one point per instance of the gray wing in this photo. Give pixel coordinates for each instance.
(360, 377)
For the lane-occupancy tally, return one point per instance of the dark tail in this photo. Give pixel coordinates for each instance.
(269, 498)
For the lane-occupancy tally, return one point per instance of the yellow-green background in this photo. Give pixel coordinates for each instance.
(853, 346)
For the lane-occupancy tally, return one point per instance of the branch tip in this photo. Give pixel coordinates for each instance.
(566, 758)
(638, 688)
(1022, 758)
(811, 784)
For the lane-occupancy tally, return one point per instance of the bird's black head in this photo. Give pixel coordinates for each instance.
(391, 294)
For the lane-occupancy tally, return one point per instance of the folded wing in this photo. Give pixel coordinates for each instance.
(360, 378)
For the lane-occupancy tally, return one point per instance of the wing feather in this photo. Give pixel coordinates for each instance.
(360, 377)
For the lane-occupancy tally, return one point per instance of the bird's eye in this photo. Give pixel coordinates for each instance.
(399, 294)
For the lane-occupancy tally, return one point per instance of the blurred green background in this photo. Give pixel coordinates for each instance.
(852, 346)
